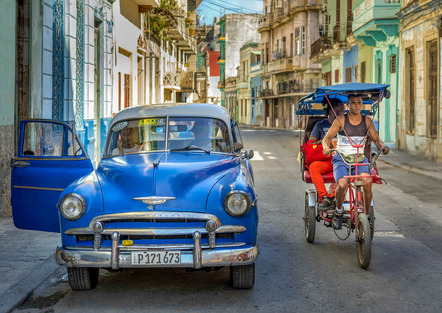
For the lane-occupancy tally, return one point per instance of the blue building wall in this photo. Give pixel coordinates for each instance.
(351, 60)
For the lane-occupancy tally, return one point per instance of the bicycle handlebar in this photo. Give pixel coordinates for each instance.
(350, 164)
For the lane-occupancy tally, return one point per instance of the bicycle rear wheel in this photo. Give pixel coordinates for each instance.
(363, 241)
(309, 220)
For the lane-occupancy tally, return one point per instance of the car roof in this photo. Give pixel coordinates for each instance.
(173, 109)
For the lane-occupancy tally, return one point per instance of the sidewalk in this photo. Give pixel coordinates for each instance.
(26, 260)
(416, 164)
(27, 257)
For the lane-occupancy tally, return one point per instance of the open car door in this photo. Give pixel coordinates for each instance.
(50, 157)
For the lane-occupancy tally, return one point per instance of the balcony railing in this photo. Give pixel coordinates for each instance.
(170, 79)
(320, 45)
(279, 13)
(266, 92)
(279, 65)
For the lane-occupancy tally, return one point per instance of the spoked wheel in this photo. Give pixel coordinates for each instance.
(371, 220)
(309, 220)
(83, 278)
(363, 241)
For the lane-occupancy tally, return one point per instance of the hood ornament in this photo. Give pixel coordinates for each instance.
(153, 200)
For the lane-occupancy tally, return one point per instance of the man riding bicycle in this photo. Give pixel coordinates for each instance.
(317, 168)
(352, 129)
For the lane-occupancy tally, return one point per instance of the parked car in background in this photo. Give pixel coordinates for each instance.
(173, 189)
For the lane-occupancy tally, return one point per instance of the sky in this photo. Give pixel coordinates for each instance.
(208, 9)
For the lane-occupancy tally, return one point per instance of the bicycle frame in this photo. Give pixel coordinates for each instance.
(355, 189)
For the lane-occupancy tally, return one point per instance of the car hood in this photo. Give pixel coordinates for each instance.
(186, 176)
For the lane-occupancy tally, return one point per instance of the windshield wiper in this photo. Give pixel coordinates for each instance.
(191, 147)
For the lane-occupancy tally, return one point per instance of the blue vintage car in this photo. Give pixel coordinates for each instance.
(173, 189)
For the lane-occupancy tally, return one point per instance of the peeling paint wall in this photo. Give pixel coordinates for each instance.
(417, 30)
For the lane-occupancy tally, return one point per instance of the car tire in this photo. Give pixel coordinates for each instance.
(83, 278)
(243, 276)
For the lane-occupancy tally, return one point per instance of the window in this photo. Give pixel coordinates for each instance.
(356, 73)
(303, 39)
(297, 41)
(348, 74)
(410, 99)
(392, 64)
(432, 90)
(336, 76)
(46, 139)
(291, 44)
(328, 80)
(363, 69)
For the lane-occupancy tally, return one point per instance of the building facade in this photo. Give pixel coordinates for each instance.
(288, 28)
(8, 25)
(419, 68)
(249, 54)
(359, 43)
(235, 31)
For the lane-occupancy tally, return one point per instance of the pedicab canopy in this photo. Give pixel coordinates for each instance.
(372, 95)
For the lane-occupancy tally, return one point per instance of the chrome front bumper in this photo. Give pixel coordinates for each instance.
(193, 255)
(120, 256)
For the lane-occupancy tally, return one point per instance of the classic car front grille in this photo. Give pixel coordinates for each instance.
(145, 228)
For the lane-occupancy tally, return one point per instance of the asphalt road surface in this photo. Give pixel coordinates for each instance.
(292, 275)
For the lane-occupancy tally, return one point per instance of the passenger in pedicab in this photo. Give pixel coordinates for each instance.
(352, 128)
(319, 167)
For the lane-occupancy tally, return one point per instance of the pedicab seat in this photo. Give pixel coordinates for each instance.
(328, 177)
(306, 177)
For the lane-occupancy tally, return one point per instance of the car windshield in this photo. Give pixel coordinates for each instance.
(184, 134)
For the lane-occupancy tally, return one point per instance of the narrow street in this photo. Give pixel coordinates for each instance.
(291, 274)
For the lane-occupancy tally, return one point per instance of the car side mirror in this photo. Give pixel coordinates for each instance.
(237, 146)
(249, 154)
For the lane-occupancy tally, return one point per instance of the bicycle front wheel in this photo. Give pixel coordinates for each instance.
(309, 220)
(363, 241)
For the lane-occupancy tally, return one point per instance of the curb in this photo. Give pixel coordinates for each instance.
(17, 294)
(416, 170)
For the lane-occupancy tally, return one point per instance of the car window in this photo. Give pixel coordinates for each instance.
(45, 139)
(207, 133)
(140, 135)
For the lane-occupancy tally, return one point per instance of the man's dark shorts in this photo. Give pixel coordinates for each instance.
(340, 169)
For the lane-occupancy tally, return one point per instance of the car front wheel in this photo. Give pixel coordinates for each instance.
(83, 278)
(243, 276)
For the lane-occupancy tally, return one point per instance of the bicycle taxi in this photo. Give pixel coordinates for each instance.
(355, 217)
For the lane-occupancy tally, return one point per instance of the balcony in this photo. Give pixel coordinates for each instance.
(299, 5)
(279, 66)
(186, 81)
(266, 92)
(171, 80)
(263, 23)
(375, 20)
(177, 30)
(151, 3)
(279, 13)
(282, 88)
(319, 46)
(221, 37)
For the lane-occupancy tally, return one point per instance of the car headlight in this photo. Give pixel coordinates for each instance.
(72, 206)
(237, 203)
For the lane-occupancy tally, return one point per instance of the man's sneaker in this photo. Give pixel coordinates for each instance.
(327, 203)
(337, 220)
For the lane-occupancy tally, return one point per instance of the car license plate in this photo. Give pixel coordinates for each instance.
(156, 257)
